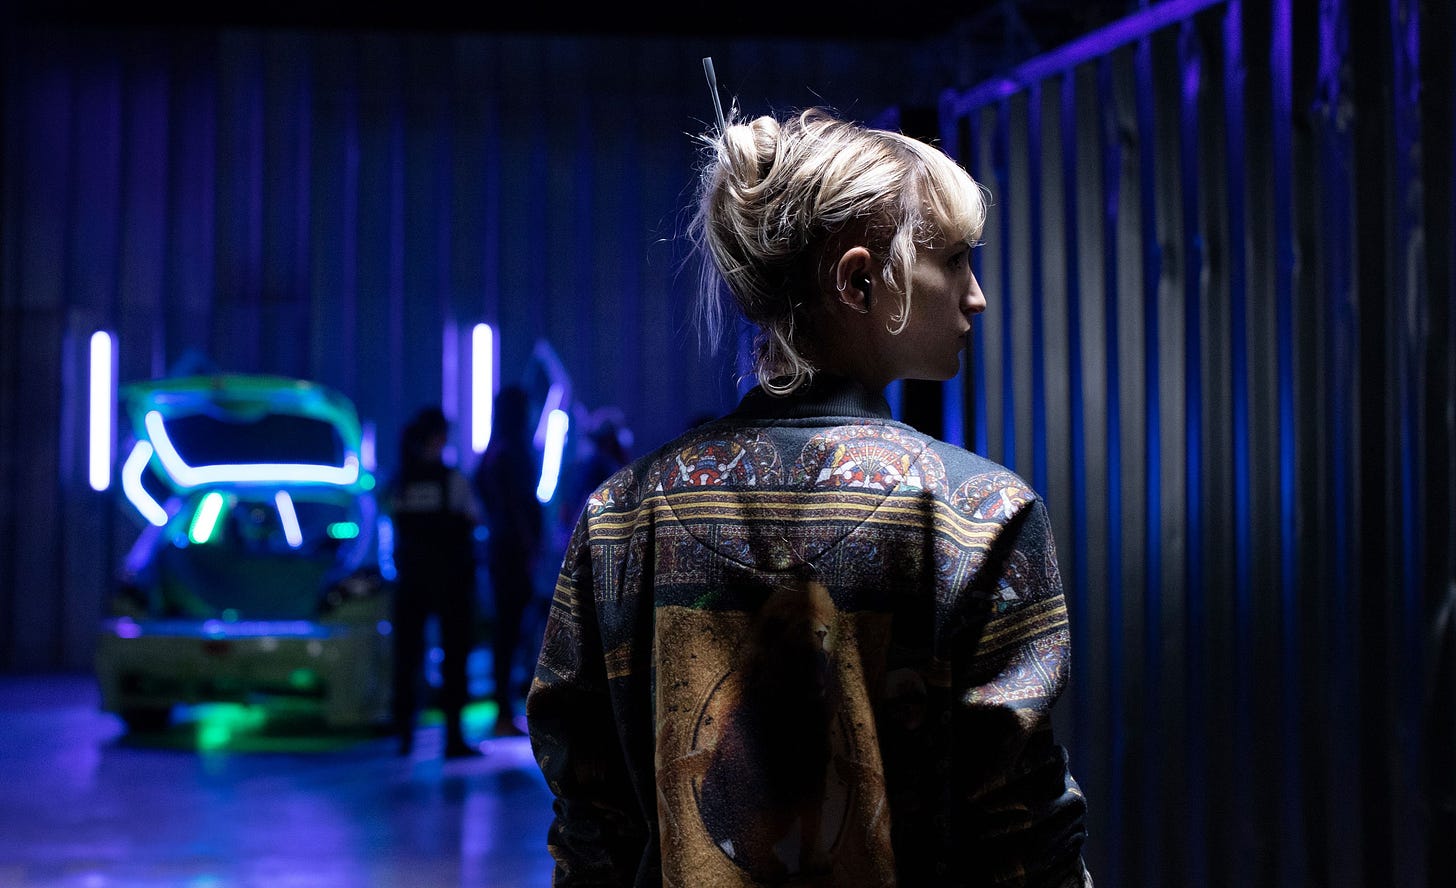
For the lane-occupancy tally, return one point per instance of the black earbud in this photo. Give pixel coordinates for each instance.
(862, 284)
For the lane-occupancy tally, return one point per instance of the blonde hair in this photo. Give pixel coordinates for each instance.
(772, 197)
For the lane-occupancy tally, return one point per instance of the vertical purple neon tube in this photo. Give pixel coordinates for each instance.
(101, 412)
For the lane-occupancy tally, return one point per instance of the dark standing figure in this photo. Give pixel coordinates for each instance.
(608, 454)
(434, 521)
(505, 481)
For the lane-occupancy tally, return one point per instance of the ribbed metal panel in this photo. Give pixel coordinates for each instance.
(1244, 395)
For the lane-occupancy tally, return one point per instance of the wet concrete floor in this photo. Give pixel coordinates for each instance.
(231, 796)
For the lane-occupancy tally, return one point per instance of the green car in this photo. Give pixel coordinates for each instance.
(256, 572)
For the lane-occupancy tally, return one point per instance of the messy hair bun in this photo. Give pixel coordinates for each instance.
(770, 195)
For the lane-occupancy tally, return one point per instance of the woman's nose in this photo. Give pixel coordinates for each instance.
(975, 299)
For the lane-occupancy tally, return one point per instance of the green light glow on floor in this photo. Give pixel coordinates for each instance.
(219, 723)
(286, 725)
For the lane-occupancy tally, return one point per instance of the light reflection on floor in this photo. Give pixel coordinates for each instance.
(224, 799)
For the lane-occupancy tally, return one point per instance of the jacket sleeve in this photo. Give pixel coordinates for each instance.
(597, 834)
(1023, 815)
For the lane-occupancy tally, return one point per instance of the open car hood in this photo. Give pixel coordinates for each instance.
(245, 430)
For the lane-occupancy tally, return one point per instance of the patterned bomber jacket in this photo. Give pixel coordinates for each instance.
(805, 644)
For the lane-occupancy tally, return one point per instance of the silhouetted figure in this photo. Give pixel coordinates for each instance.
(505, 481)
(434, 521)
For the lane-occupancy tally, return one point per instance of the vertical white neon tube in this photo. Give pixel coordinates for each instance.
(556, 424)
(482, 385)
(554, 398)
(100, 410)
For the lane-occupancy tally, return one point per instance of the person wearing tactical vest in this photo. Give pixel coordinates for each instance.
(434, 519)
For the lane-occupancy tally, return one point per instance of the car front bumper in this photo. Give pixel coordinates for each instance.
(154, 664)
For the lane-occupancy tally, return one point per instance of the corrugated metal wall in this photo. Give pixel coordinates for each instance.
(1219, 341)
(328, 204)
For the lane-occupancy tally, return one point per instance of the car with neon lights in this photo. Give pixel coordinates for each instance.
(255, 575)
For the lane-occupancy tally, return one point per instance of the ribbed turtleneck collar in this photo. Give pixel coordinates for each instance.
(826, 396)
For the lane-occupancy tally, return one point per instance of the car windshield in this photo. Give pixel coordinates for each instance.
(202, 440)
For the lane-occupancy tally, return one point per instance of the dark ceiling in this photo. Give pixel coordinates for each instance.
(1032, 23)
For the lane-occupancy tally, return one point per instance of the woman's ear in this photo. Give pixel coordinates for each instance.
(852, 279)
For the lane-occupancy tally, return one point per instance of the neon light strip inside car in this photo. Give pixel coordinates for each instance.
(131, 485)
(243, 473)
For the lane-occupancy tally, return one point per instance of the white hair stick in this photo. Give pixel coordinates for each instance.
(713, 87)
